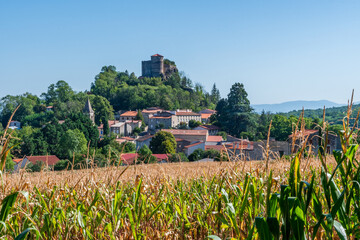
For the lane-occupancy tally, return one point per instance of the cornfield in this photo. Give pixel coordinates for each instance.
(301, 198)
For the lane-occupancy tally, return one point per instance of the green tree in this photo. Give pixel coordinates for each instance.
(145, 155)
(139, 116)
(36, 167)
(223, 134)
(177, 157)
(215, 94)
(193, 123)
(9, 103)
(183, 125)
(127, 147)
(73, 141)
(198, 154)
(163, 143)
(234, 114)
(102, 108)
(106, 127)
(59, 92)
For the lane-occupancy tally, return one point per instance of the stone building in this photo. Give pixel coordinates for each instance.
(128, 115)
(163, 120)
(313, 139)
(150, 112)
(157, 67)
(88, 111)
(189, 135)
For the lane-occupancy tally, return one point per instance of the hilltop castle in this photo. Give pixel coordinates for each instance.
(158, 67)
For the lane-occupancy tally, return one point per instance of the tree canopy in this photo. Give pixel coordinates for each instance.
(163, 142)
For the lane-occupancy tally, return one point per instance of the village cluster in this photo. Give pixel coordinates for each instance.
(204, 136)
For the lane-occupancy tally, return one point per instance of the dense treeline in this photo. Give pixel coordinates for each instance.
(334, 115)
(126, 91)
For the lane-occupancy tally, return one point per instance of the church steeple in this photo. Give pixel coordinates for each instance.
(88, 111)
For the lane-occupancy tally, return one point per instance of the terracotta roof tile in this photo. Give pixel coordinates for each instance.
(214, 139)
(194, 144)
(206, 115)
(210, 127)
(304, 133)
(186, 132)
(129, 114)
(187, 114)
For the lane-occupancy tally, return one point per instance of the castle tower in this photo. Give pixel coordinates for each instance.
(157, 65)
(88, 111)
(153, 67)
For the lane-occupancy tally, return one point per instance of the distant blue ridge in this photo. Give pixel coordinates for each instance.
(294, 105)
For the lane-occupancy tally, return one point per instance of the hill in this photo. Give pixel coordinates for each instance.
(294, 105)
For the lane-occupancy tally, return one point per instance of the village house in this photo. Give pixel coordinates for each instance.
(101, 127)
(128, 115)
(180, 144)
(144, 140)
(189, 149)
(189, 135)
(213, 140)
(212, 129)
(120, 128)
(150, 112)
(49, 108)
(130, 125)
(161, 120)
(49, 160)
(125, 139)
(172, 119)
(15, 125)
(185, 116)
(206, 114)
(313, 139)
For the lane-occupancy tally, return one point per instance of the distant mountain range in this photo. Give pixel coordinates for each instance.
(294, 105)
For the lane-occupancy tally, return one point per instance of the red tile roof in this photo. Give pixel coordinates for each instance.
(17, 160)
(186, 132)
(161, 156)
(128, 158)
(143, 138)
(243, 145)
(110, 122)
(129, 114)
(50, 159)
(206, 115)
(187, 114)
(210, 127)
(214, 139)
(304, 133)
(152, 110)
(208, 111)
(194, 144)
(160, 117)
(157, 55)
(217, 147)
(128, 138)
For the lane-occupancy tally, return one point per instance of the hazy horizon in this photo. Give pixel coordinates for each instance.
(281, 51)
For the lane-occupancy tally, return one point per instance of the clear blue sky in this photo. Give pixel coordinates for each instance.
(280, 50)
